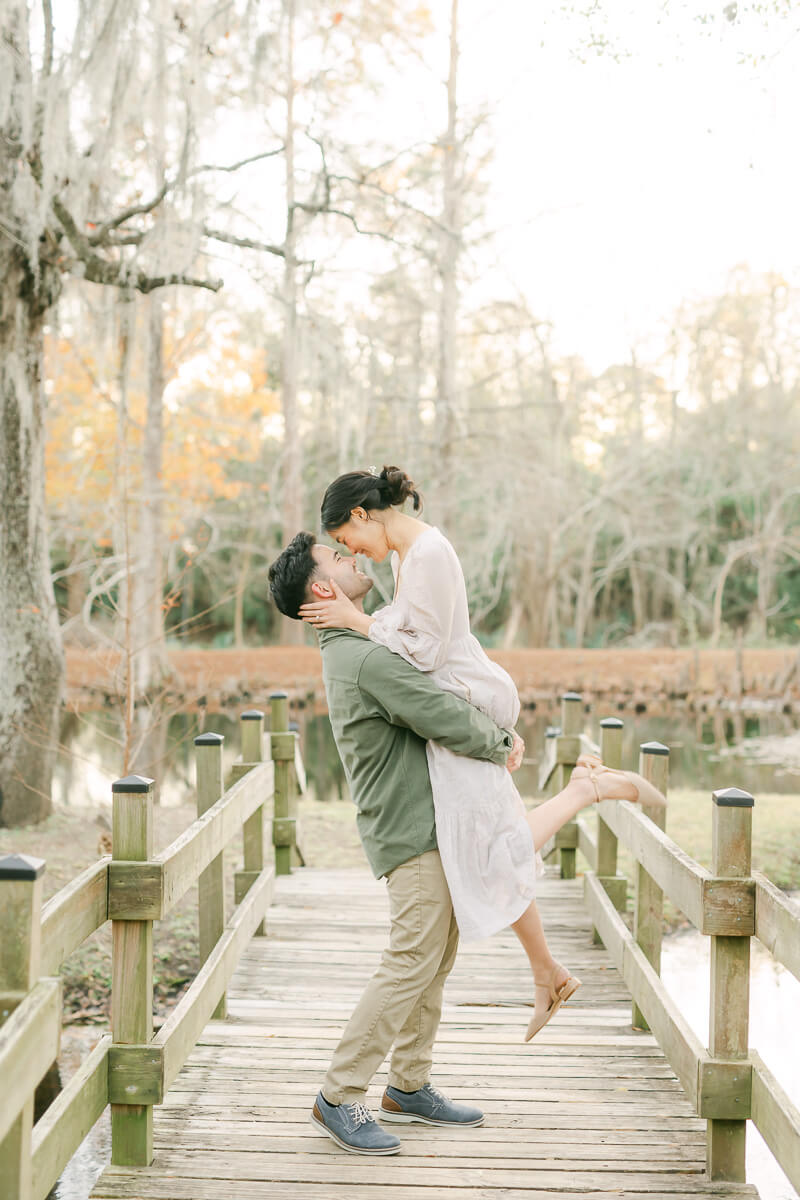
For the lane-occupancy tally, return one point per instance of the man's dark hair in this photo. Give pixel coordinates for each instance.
(291, 573)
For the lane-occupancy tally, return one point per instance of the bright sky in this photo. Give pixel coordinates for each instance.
(629, 186)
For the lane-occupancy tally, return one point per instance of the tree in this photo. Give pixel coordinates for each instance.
(77, 199)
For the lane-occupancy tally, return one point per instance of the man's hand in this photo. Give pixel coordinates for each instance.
(517, 751)
(337, 613)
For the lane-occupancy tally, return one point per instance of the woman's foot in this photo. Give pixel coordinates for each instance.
(550, 994)
(610, 784)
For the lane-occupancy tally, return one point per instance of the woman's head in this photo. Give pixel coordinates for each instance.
(357, 506)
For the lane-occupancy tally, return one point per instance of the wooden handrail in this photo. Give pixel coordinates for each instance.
(69, 1118)
(777, 1119)
(73, 914)
(131, 1070)
(777, 924)
(675, 1036)
(728, 1083)
(147, 890)
(29, 1042)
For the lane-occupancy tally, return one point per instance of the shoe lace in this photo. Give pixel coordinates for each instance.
(434, 1091)
(360, 1114)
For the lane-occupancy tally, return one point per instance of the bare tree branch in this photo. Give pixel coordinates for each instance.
(245, 243)
(135, 210)
(237, 165)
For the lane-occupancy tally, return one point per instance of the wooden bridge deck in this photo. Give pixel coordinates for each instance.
(589, 1108)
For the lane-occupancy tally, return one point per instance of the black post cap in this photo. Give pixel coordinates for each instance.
(252, 714)
(732, 798)
(611, 723)
(132, 783)
(572, 696)
(654, 748)
(21, 866)
(279, 696)
(209, 739)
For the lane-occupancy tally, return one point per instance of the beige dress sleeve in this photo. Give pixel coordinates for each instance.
(418, 623)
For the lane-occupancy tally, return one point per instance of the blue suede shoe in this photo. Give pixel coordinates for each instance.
(353, 1127)
(427, 1105)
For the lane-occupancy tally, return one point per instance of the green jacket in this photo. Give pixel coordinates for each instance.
(382, 711)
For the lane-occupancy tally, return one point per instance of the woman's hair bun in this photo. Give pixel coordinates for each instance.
(398, 487)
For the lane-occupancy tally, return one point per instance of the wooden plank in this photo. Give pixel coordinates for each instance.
(69, 1118)
(679, 1043)
(777, 1119)
(778, 923)
(152, 1185)
(73, 914)
(185, 1023)
(29, 1042)
(383, 1172)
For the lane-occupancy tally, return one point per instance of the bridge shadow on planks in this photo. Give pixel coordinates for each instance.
(589, 1108)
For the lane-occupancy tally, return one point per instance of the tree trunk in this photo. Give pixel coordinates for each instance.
(147, 615)
(31, 679)
(292, 500)
(448, 305)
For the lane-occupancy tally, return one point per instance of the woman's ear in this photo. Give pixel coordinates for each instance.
(323, 591)
(360, 514)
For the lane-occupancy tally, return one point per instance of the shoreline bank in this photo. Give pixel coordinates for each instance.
(638, 679)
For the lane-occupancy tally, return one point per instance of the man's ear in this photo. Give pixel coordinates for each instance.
(323, 591)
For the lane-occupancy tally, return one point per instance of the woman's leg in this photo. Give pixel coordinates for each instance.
(530, 932)
(548, 817)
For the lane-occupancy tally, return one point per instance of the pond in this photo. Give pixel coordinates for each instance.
(701, 751)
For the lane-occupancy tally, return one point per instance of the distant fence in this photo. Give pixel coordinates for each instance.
(131, 1069)
(727, 1082)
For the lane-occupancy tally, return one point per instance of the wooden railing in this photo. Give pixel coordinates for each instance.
(131, 1069)
(727, 1082)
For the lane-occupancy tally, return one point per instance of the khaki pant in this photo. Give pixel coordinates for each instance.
(402, 1003)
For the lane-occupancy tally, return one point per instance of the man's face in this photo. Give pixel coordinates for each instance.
(332, 565)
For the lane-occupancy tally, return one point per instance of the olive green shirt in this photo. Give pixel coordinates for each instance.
(382, 712)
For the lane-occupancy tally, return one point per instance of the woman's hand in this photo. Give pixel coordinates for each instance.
(514, 761)
(337, 613)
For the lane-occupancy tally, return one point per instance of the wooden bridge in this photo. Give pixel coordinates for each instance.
(592, 1107)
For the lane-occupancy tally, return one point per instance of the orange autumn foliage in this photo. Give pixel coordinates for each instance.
(218, 407)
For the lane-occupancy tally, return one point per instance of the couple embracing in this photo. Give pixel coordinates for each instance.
(424, 724)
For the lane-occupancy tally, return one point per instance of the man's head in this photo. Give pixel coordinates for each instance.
(302, 572)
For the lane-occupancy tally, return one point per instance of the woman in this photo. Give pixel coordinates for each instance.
(487, 841)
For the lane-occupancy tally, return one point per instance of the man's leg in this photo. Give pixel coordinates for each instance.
(412, 1057)
(421, 920)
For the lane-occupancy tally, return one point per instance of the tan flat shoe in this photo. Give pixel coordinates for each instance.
(646, 793)
(556, 996)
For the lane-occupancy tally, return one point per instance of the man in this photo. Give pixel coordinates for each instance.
(382, 711)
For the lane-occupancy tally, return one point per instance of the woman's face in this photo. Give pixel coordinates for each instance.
(363, 534)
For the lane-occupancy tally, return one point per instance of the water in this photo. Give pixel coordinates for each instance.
(92, 754)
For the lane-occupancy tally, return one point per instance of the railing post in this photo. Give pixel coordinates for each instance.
(211, 882)
(132, 968)
(648, 920)
(616, 885)
(252, 725)
(571, 726)
(282, 744)
(21, 892)
(731, 836)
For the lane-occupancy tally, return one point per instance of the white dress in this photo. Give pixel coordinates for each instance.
(484, 840)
